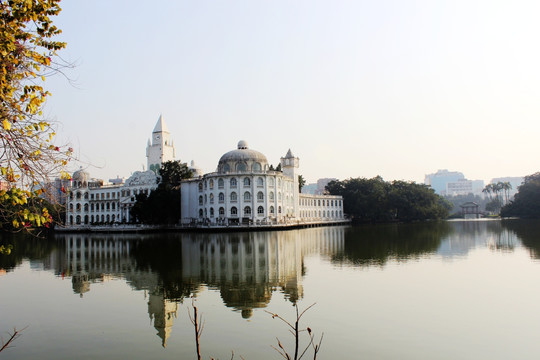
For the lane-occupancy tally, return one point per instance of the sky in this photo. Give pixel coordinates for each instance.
(357, 88)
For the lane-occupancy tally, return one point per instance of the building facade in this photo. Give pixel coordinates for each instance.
(245, 190)
(91, 202)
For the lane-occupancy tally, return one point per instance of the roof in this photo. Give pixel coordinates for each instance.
(160, 125)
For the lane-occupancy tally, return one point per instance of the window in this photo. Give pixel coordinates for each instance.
(211, 212)
(200, 187)
(71, 207)
(234, 211)
(91, 207)
(260, 182)
(247, 210)
(234, 197)
(271, 210)
(233, 183)
(271, 181)
(260, 210)
(108, 206)
(271, 196)
(247, 182)
(211, 183)
(114, 206)
(86, 196)
(200, 213)
(86, 207)
(78, 195)
(257, 167)
(200, 200)
(226, 168)
(260, 196)
(211, 198)
(221, 212)
(241, 167)
(279, 209)
(247, 196)
(221, 197)
(220, 183)
(78, 207)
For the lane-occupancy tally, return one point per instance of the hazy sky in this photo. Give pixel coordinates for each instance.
(354, 88)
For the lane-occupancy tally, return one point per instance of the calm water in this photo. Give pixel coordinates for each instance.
(456, 290)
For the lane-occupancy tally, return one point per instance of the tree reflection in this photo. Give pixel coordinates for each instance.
(528, 231)
(377, 244)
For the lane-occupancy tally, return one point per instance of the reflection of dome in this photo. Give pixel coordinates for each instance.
(242, 159)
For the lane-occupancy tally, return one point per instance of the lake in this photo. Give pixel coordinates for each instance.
(448, 290)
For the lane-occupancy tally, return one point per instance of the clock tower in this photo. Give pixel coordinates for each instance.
(160, 149)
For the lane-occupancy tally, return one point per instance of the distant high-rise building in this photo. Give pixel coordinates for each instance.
(439, 180)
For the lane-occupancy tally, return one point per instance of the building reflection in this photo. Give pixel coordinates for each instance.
(246, 268)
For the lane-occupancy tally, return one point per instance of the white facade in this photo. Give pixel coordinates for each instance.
(161, 148)
(244, 190)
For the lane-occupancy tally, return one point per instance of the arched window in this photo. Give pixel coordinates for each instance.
(260, 182)
(247, 182)
(271, 196)
(200, 213)
(113, 218)
(221, 212)
(271, 181)
(247, 196)
(220, 183)
(91, 207)
(260, 196)
(86, 207)
(108, 206)
(221, 197)
(78, 195)
(114, 206)
(211, 183)
(211, 198)
(234, 211)
(86, 219)
(71, 207)
(241, 166)
(247, 210)
(78, 207)
(78, 219)
(279, 209)
(86, 196)
(260, 210)
(271, 210)
(233, 183)
(226, 168)
(108, 218)
(257, 167)
(234, 197)
(92, 219)
(211, 212)
(102, 206)
(71, 219)
(200, 200)
(200, 186)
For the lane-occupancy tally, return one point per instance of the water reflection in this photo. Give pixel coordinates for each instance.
(528, 231)
(377, 244)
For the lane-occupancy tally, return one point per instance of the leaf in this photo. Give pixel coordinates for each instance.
(7, 125)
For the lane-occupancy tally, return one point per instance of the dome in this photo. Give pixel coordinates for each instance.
(243, 159)
(81, 175)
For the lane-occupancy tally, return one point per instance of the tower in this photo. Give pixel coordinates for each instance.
(289, 165)
(160, 148)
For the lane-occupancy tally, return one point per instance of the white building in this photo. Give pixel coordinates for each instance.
(91, 202)
(244, 190)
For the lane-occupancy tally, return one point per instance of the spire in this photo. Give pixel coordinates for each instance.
(289, 154)
(160, 125)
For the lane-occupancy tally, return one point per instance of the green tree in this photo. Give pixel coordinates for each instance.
(301, 182)
(162, 206)
(29, 155)
(375, 200)
(526, 203)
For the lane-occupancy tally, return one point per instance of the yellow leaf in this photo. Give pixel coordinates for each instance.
(7, 125)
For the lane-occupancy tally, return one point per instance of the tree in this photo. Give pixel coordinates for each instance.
(375, 200)
(162, 206)
(301, 182)
(29, 156)
(526, 203)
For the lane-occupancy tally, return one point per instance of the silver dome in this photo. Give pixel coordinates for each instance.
(242, 159)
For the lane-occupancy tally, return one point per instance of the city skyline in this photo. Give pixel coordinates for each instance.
(355, 89)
